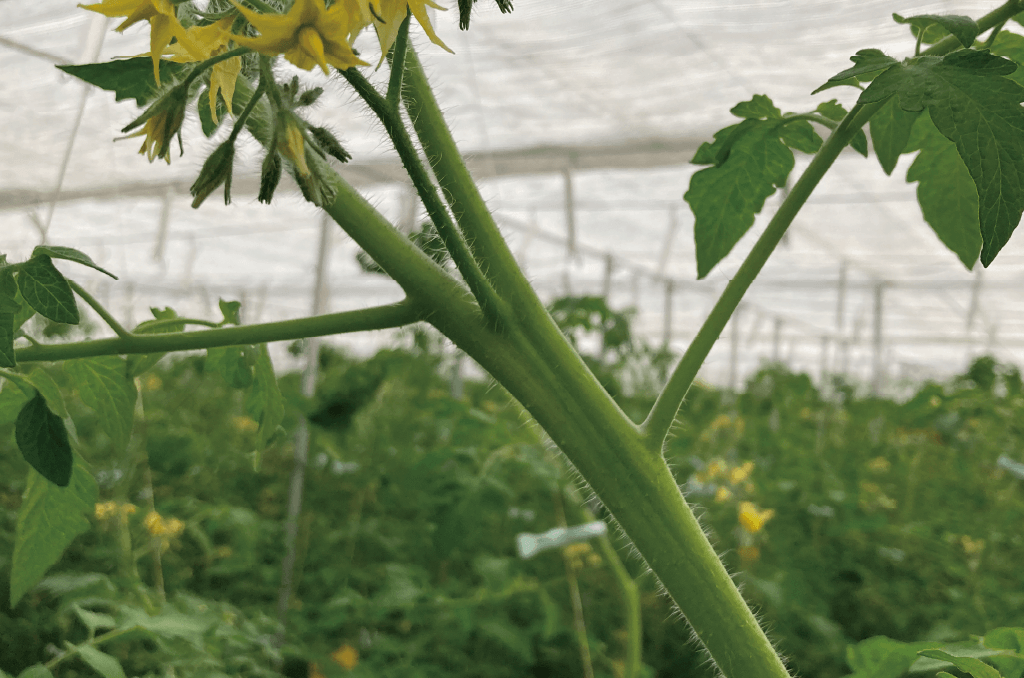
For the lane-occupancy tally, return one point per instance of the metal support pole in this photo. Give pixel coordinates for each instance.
(670, 234)
(301, 455)
(877, 368)
(570, 213)
(606, 282)
(163, 225)
(777, 340)
(823, 364)
(667, 330)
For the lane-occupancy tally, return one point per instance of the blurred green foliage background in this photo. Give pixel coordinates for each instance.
(844, 517)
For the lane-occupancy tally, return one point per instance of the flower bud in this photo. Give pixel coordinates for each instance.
(270, 176)
(291, 143)
(310, 96)
(327, 141)
(216, 171)
(161, 122)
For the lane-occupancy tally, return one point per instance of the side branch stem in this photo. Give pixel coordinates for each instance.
(663, 413)
(376, 318)
(119, 330)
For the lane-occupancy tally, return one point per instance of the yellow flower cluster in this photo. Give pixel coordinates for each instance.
(580, 554)
(752, 518)
(109, 509)
(719, 469)
(158, 526)
(872, 497)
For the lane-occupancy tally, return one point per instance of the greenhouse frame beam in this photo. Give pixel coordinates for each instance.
(643, 154)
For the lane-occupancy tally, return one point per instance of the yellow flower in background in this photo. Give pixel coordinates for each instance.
(157, 526)
(879, 465)
(388, 16)
(752, 518)
(715, 468)
(308, 35)
(209, 41)
(346, 656)
(723, 493)
(741, 473)
(163, 23)
(107, 509)
(972, 547)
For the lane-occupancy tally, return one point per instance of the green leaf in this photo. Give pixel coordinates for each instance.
(800, 135)
(43, 441)
(234, 363)
(866, 62)
(881, 657)
(37, 671)
(47, 291)
(92, 621)
(1011, 46)
(833, 110)
(45, 384)
(890, 130)
(139, 364)
(975, 667)
(963, 27)
(724, 199)
(232, 311)
(104, 385)
(49, 520)
(717, 152)
(979, 110)
(945, 191)
(127, 78)
(70, 254)
(7, 358)
(100, 662)
(1005, 638)
(12, 400)
(169, 624)
(265, 403)
(9, 297)
(760, 107)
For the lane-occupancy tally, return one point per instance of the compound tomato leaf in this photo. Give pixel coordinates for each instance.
(971, 665)
(105, 386)
(979, 110)
(866, 62)
(265, 403)
(759, 107)
(101, 662)
(43, 441)
(945, 191)
(1011, 46)
(49, 389)
(49, 519)
(70, 254)
(37, 671)
(800, 136)
(47, 291)
(234, 363)
(963, 27)
(12, 400)
(890, 129)
(724, 199)
(127, 78)
(717, 152)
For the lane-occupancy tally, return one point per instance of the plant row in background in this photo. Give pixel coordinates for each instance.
(844, 517)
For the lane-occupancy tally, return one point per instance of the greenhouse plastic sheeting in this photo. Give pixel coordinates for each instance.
(579, 119)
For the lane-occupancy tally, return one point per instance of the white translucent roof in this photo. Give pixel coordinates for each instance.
(608, 98)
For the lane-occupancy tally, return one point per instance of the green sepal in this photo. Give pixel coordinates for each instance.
(47, 291)
(127, 78)
(43, 440)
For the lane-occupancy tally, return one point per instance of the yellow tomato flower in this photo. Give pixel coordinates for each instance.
(209, 41)
(723, 494)
(741, 473)
(752, 518)
(293, 147)
(388, 16)
(308, 35)
(159, 131)
(715, 468)
(163, 23)
(346, 657)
